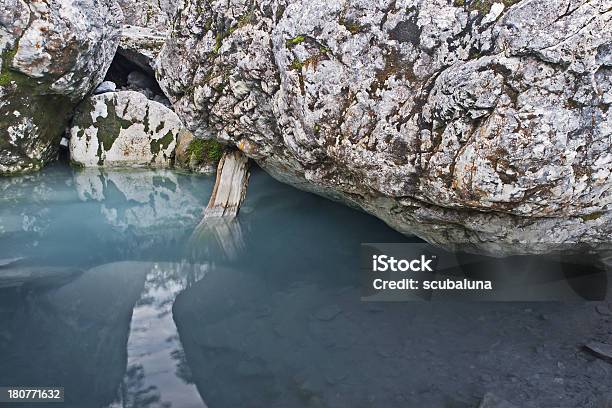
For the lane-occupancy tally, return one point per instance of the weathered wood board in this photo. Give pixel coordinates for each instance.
(230, 186)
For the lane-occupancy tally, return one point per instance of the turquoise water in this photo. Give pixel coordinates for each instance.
(109, 288)
(102, 256)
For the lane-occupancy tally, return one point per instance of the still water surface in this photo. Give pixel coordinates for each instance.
(119, 297)
(112, 264)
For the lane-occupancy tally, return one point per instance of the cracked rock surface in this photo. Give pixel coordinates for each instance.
(145, 29)
(475, 125)
(52, 53)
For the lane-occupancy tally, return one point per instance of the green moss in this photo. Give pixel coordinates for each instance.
(218, 42)
(205, 150)
(161, 143)
(48, 113)
(245, 19)
(591, 217)
(7, 75)
(292, 42)
(109, 127)
(296, 65)
(352, 26)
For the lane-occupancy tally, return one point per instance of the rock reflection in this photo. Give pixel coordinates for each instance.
(94, 216)
(158, 375)
(140, 200)
(73, 336)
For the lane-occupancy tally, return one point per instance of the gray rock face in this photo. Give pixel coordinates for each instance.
(147, 24)
(141, 45)
(475, 125)
(106, 86)
(52, 54)
(123, 129)
(154, 14)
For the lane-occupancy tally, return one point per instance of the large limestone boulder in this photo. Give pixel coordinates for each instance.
(123, 129)
(52, 53)
(475, 125)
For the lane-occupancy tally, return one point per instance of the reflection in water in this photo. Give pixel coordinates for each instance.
(263, 311)
(157, 374)
(72, 336)
(90, 217)
(217, 238)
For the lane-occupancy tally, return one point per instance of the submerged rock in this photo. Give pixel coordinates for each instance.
(601, 350)
(52, 53)
(470, 124)
(35, 276)
(490, 400)
(86, 320)
(123, 129)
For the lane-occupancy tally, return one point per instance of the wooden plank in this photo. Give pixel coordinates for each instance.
(230, 186)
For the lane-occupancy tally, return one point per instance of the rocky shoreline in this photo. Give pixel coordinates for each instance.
(481, 126)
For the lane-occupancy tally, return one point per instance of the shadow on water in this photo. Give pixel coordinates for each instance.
(264, 311)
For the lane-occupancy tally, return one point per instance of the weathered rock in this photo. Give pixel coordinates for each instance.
(147, 23)
(183, 153)
(123, 129)
(471, 124)
(106, 86)
(155, 14)
(141, 45)
(52, 53)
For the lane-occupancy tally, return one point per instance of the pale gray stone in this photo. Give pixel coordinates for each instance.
(476, 127)
(52, 54)
(141, 45)
(106, 86)
(123, 129)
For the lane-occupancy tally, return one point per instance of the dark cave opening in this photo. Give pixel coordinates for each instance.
(129, 76)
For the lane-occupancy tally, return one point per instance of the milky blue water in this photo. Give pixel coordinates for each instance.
(110, 288)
